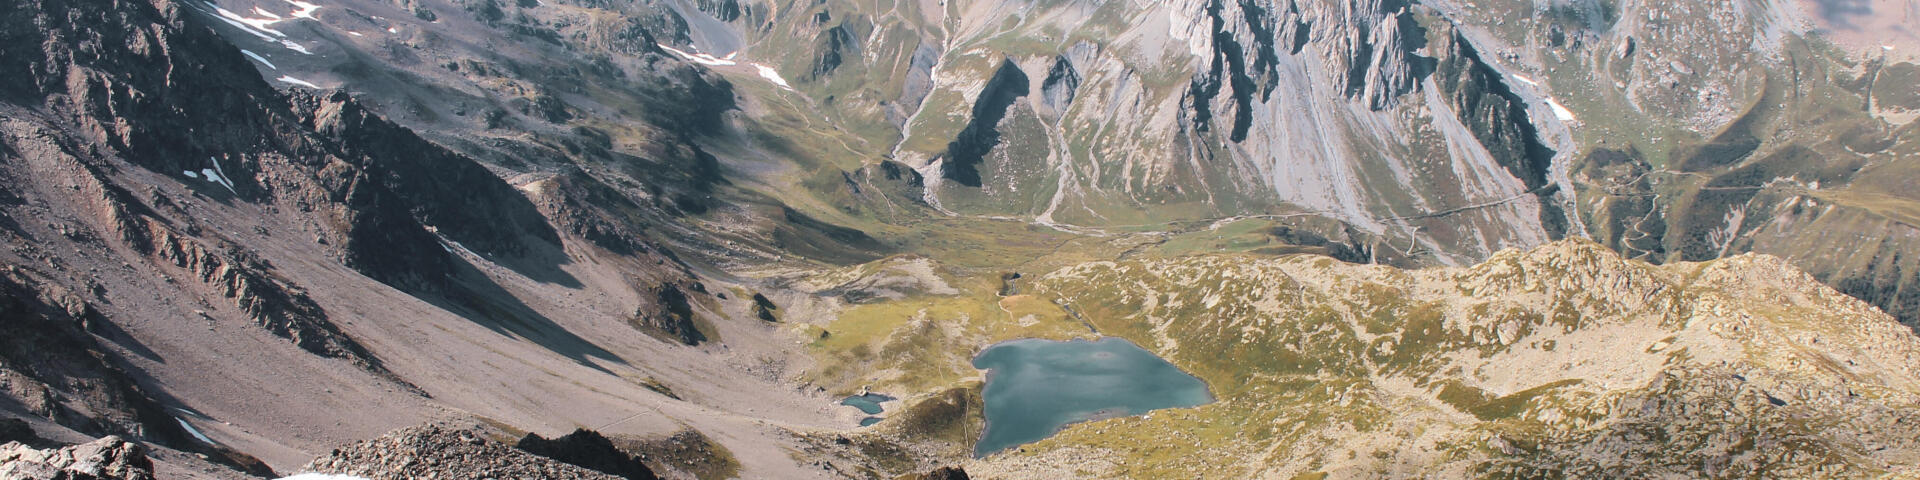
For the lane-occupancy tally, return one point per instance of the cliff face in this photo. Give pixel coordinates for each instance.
(982, 133)
(1329, 109)
(1497, 117)
(1366, 46)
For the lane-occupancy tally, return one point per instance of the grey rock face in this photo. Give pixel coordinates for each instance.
(109, 458)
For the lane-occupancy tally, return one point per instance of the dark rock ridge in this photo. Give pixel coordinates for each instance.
(1498, 119)
(723, 10)
(1367, 44)
(141, 82)
(917, 84)
(1230, 69)
(967, 151)
(435, 451)
(669, 315)
(942, 473)
(54, 366)
(835, 45)
(586, 208)
(587, 449)
(1062, 82)
(763, 308)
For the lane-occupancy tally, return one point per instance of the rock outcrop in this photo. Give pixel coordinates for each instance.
(965, 154)
(588, 449)
(432, 451)
(942, 473)
(109, 458)
(668, 315)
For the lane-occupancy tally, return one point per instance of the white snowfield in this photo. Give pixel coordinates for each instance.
(1560, 111)
(702, 58)
(193, 431)
(295, 81)
(709, 60)
(262, 25)
(256, 57)
(772, 76)
(305, 9)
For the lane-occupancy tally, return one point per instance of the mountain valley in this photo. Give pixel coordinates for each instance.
(668, 238)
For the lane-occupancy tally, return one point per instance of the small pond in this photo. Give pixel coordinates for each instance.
(868, 403)
(1036, 387)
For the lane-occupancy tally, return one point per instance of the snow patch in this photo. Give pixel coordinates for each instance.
(322, 476)
(295, 47)
(256, 25)
(218, 175)
(295, 81)
(772, 76)
(1559, 111)
(305, 10)
(258, 58)
(222, 15)
(194, 431)
(1526, 80)
(701, 58)
(357, 34)
(455, 247)
(709, 60)
(262, 26)
(393, 30)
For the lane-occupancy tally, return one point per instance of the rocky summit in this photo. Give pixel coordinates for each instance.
(709, 239)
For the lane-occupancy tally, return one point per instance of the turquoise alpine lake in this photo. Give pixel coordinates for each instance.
(868, 403)
(1036, 387)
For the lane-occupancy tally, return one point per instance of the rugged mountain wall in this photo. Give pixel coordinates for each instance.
(1497, 118)
(1190, 111)
(1454, 129)
(155, 183)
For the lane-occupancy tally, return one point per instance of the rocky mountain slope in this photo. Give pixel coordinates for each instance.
(201, 261)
